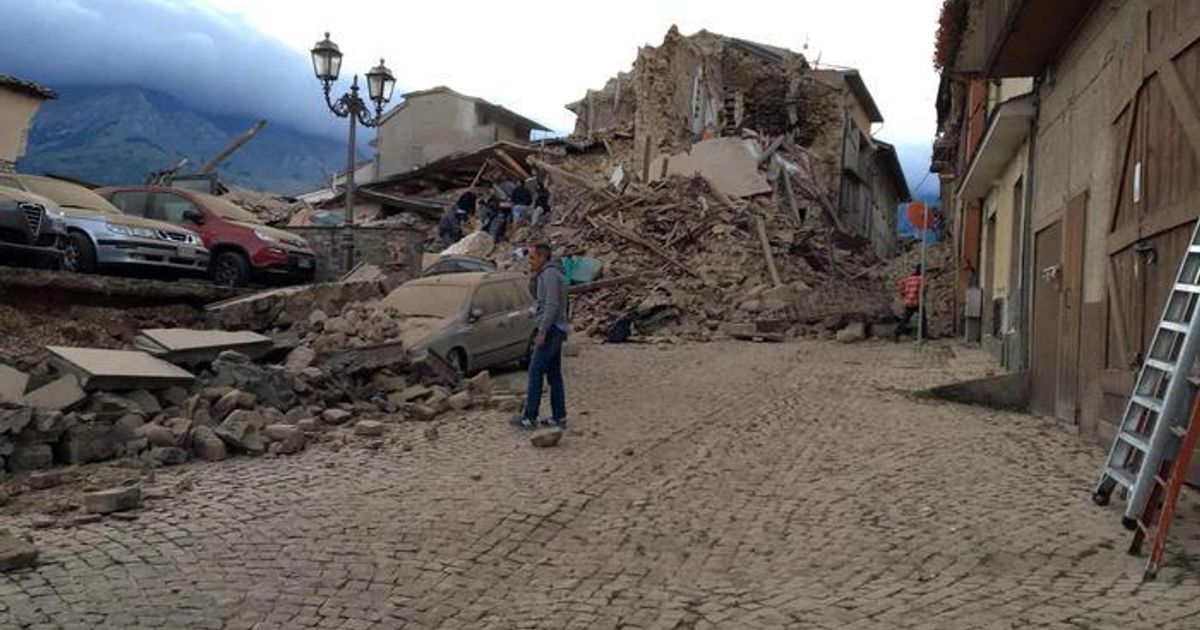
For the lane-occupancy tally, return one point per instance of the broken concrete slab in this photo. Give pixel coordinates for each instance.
(63, 394)
(112, 500)
(284, 306)
(187, 346)
(16, 553)
(14, 420)
(12, 385)
(730, 164)
(118, 369)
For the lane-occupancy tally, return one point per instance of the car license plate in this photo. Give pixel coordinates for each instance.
(306, 263)
(185, 252)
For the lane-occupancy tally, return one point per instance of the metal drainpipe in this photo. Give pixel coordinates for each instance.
(1024, 341)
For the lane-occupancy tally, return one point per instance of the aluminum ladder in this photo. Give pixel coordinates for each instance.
(1155, 523)
(1157, 412)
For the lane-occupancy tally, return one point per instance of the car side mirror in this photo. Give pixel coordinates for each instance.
(195, 216)
(475, 315)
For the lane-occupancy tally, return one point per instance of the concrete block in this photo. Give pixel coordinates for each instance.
(62, 394)
(112, 500)
(12, 385)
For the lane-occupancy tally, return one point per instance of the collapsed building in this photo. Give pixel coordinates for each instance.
(696, 88)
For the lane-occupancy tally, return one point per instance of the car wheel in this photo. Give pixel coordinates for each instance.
(231, 269)
(458, 359)
(79, 255)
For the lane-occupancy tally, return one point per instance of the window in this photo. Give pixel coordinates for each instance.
(170, 208)
(492, 299)
(132, 203)
(519, 293)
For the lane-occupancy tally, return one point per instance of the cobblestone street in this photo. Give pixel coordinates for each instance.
(725, 485)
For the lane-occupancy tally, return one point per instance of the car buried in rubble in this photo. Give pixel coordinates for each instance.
(99, 237)
(31, 229)
(473, 320)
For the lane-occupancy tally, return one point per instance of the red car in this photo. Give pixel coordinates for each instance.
(242, 248)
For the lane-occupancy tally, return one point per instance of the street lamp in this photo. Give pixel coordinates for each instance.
(327, 63)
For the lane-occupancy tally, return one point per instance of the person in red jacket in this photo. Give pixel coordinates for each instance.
(910, 291)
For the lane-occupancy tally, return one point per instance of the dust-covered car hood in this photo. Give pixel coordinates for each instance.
(283, 236)
(89, 214)
(11, 195)
(419, 330)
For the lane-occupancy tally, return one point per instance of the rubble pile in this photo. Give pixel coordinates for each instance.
(699, 252)
(29, 329)
(270, 209)
(347, 375)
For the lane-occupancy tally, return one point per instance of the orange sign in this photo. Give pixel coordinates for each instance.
(920, 217)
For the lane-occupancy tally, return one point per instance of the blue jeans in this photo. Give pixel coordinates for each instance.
(546, 364)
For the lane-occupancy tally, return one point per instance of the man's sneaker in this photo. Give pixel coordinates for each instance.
(522, 422)
(560, 423)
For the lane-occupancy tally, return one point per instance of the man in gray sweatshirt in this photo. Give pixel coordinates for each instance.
(550, 290)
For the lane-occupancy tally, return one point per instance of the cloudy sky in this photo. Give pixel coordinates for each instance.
(533, 56)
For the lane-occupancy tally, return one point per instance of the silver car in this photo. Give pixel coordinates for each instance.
(474, 320)
(99, 235)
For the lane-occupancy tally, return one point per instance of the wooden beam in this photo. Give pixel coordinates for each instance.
(512, 164)
(771, 149)
(570, 177)
(1118, 312)
(1182, 101)
(766, 245)
(1126, 149)
(656, 250)
(1179, 213)
(646, 162)
(475, 182)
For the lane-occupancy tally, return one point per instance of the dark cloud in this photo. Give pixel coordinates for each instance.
(206, 59)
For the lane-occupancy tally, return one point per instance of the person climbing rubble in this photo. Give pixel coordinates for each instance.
(450, 227)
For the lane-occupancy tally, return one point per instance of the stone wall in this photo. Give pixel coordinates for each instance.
(397, 248)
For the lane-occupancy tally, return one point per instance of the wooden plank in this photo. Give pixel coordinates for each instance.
(1117, 310)
(1123, 168)
(512, 164)
(766, 245)
(1117, 382)
(771, 149)
(1184, 104)
(654, 249)
(572, 178)
(1179, 213)
(646, 162)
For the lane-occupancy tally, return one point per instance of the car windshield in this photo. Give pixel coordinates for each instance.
(429, 300)
(227, 209)
(70, 195)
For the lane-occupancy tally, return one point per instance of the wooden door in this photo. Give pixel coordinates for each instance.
(1071, 308)
(1156, 200)
(988, 277)
(1047, 279)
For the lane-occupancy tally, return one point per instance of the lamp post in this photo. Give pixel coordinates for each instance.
(327, 63)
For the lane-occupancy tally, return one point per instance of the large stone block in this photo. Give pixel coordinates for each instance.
(30, 457)
(87, 443)
(112, 500)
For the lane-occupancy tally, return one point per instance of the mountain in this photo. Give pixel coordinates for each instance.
(118, 135)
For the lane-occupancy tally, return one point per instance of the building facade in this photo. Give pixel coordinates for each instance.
(19, 103)
(1103, 182)
(435, 123)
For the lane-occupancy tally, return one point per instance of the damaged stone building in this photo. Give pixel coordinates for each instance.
(706, 86)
